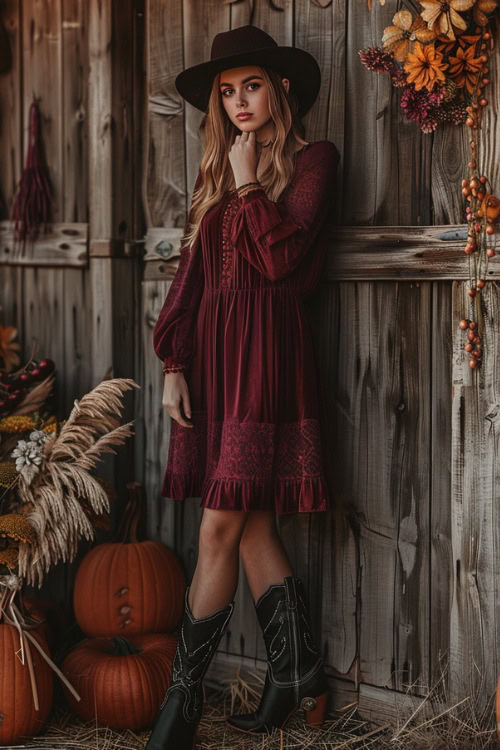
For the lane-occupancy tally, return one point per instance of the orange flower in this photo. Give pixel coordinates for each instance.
(464, 40)
(382, 2)
(9, 347)
(443, 15)
(464, 68)
(480, 8)
(399, 38)
(425, 67)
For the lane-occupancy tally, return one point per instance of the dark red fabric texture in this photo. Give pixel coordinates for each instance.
(235, 319)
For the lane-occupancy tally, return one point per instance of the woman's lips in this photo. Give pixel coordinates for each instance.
(243, 117)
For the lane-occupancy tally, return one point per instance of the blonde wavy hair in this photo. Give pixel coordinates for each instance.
(218, 134)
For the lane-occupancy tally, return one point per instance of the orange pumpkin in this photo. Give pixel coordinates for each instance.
(121, 682)
(126, 589)
(129, 587)
(18, 717)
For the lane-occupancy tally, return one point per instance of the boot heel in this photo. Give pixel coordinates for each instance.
(315, 709)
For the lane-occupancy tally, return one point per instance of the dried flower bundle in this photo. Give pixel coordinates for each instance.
(54, 477)
(444, 49)
(439, 63)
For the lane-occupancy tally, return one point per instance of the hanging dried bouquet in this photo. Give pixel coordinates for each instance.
(439, 61)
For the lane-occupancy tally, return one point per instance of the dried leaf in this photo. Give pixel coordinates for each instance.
(36, 397)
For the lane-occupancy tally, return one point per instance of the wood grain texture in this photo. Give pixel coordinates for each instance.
(382, 607)
(65, 244)
(11, 127)
(475, 477)
(402, 572)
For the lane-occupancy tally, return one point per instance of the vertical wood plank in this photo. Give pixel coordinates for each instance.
(335, 588)
(164, 172)
(11, 110)
(475, 478)
(441, 561)
(42, 80)
(74, 110)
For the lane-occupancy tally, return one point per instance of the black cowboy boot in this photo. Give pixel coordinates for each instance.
(180, 713)
(295, 676)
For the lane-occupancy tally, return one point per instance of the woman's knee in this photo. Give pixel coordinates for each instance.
(259, 528)
(221, 530)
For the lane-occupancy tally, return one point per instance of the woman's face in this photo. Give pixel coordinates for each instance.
(244, 90)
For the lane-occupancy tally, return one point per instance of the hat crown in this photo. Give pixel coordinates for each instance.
(242, 39)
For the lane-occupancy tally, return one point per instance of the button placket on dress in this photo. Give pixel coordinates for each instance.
(230, 210)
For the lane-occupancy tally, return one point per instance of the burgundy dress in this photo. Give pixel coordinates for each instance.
(234, 320)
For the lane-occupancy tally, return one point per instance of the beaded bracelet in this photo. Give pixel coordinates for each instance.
(247, 187)
(246, 184)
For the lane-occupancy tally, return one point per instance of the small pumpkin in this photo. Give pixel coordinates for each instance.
(139, 586)
(121, 681)
(18, 717)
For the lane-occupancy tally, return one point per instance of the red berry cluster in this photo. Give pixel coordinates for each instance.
(14, 386)
(473, 345)
(482, 207)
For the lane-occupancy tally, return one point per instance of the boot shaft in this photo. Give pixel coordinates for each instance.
(284, 618)
(197, 642)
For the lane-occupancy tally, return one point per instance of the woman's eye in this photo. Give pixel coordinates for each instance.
(250, 84)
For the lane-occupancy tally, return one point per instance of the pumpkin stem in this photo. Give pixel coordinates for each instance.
(132, 515)
(122, 647)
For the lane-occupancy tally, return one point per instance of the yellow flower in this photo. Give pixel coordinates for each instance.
(9, 555)
(399, 38)
(425, 67)
(8, 473)
(443, 15)
(16, 528)
(17, 423)
(465, 68)
(480, 8)
(9, 347)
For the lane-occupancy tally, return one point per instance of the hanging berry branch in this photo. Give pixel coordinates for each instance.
(439, 60)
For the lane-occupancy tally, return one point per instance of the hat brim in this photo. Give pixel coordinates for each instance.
(194, 84)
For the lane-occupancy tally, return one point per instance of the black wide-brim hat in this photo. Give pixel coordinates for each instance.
(249, 45)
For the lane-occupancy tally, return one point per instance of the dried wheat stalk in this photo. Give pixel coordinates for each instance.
(51, 501)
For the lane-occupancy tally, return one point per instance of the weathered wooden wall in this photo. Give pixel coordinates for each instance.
(397, 588)
(407, 579)
(75, 291)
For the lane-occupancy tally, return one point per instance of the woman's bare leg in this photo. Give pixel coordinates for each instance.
(215, 578)
(262, 552)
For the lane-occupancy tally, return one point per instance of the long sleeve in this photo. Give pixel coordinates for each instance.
(274, 236)
(173, 334)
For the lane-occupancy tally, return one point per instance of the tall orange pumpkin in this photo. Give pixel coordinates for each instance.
(121, 682)
(18, 717)
(129, 587)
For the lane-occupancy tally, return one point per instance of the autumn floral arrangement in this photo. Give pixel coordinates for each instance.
(49, 497)
(439, 61)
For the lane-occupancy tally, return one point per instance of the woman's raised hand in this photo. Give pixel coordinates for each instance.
(244, 158)
(176, 397)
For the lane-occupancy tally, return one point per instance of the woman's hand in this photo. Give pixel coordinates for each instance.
(176, 397)
(244, 158)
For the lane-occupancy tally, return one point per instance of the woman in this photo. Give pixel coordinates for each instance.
(241, 386)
